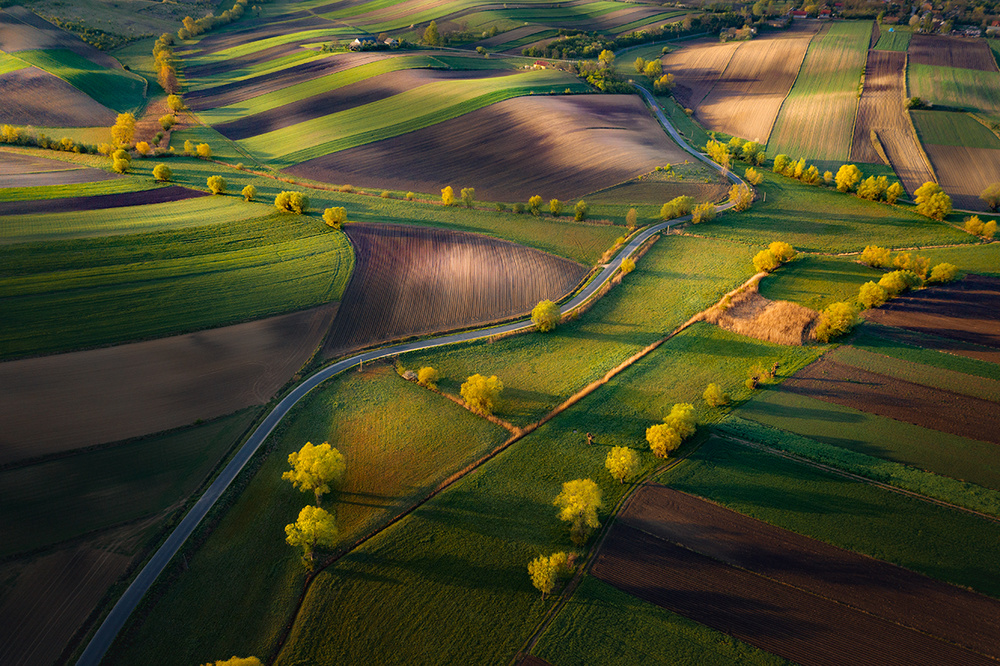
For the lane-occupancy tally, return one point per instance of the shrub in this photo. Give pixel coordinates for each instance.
(704, 212)
(469, 196)
(448, 196)
(871, 295)
(989, 230)
(631, 219)
(628, 265)
(943, 273)
(348, 189)
(482, 394)
(535, 205)
(143, 148)
(501, 207)
(715, 396)
(676, 207)
(555, 207)
(204, 150)
(847, 177)
(781, 163)
(893, 192)
(828, 178)
(335, 217)
(753, 176)
(162, 172)
(682, 419)
(386, 194)
(175, 103)
(836, 320)
(782, 251)
(915, 264)
(518, 208)
(189, 148)
(292, 202)
(428, 376)
(718, 152)
(811, 176)
(410, 196)
(896, 282)
(932, 202)
(249, 192)
(765, 261)
(545, 316)
(875, 256)
(974, 225)
(662, 439)
(167, 121)
(741, 196)
(580, 211)
(217, 184)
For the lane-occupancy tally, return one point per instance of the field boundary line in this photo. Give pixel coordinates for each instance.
(857, 106)
(824, 29)
(909, 118)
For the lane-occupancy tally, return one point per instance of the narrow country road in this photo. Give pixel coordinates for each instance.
(113, 623)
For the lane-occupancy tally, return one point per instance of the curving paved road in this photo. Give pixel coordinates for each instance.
(116, 619)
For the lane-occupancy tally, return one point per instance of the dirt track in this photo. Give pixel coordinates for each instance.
(965, 172)
(99, 201)
(951, 52)
(412, 280)
(32, 96)
(881, 109)
(793, 596)
(106, 395)
(696, 67)
(553, 146)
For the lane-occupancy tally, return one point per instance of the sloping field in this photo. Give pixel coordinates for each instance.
(697, 67)
(817, 118)
(970, 89)
(18, 170)
(32, 96)
(247, 34)
(562, 147)
(951, 52)
(896, 40)
(747, 96)
(22, 30)
(949, 128)
(791, 595)
(411, 280)
(965, 172)
(114, 88)
(156, 195)
(881, 111)
(106, 395)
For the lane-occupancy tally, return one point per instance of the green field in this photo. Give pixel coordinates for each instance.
(114, 88)
(968, 89)
(63, 498)
(663, 18)
(876, 340)
(63, 295)
(937, 452)
(978, 259)
(816, 281)
(948, 128)
(41, 192)
(939, 542)
(193, 83)
(816, 120)
(256, 45)
(897, 40)
(603, 625)
(9, 63)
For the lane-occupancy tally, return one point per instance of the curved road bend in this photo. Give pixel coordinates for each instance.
(116, 619)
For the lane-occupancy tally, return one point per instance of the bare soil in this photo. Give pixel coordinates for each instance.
(553, 146)
(746, 98)
(32, 96)
(946, 51)
(363, 92)
(697, 67)
(510, 36)
(99, 201)
(790, 595)
(881, 109)
(23, 30)
(967, 311)
(249, 60)
(965, 172)
(18, 170)
(256, 31)
(412, 280)
(924, 406)
(110, 394)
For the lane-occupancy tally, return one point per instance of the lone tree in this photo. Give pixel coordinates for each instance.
(932, 202)
(204, 151)
(662, 439)
(315, 468)
(335, 217)
(431, 35)
(314, 528)
(162, 173)
(124, 129)
(249, 192)
(448, 196)
(991, 196)
(468, 196)
(482, 394)
(217, 184)
(578, 504)
(622, 462)
(555, 207)
(175, 103)
(545, 316)
(121, 161)
(632, 219)
(535, 205)
(714, 396)
(580, 211)
(545, 571)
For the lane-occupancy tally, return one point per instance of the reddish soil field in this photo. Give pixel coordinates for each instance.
(21, 30)
(790, 595)
(363, 92)
(114, 393)
(697, 67)
(99, 201)
(881, 109)
(553, 146)
(413, 280)
(240, 91)
(32, 96)
(748, 95)
(951, 52)
(18, 170)
(965, 172)
(924, 406)
(967, 311)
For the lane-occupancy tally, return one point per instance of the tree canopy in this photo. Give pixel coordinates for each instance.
(482, 394)
(578, 504)
(545, 316)
(622, 462)
(314, 528)
(315, 468)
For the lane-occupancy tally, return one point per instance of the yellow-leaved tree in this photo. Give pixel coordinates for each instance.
(315, 468)
(482, 394)
(578, 504)
(545, 316)
(314, 528)
(235, 661)
(124, 129)
(622, 462)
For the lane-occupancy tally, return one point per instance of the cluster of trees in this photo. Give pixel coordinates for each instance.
(977, 227)
(101, 40)
(578, 504)
(545, 571)
(17, 136)
(194, 27)
(163, 56)
(678, 425)
(217, 184)
(776, 254)
(736, 148)
(315, 469)
(932, 202)
(482, 394)
(600, 74)
(468, 196)
(335, 217)
(292, 202)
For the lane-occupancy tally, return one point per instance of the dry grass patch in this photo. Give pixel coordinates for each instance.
(746, 312)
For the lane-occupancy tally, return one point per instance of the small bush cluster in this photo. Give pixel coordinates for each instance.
(16, 136)
(194, 27)
(678, 425)
(292, 202)
(775, 255)
(977, 227)
(335, 217)
(676, 207)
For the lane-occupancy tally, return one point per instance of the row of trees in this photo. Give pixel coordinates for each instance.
(163, 58)
(194, 27)
(18, 136)
(319, 470)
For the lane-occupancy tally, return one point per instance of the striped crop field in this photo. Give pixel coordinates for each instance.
(278, 40)
(948, 128)
(970, 89)
(114, 88)
(893, 41)
(399, 114)
(235, 74)
(817, 118)
(9, 63)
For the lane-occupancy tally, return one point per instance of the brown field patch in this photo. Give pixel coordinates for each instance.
(965, 172)
(250, 60)
(793, 596)
(967, 311)
(746, 98)
(510, 36)
(99, 201)
(18, 170)
(22, 30)
(32, 96)
(110, 394)
(881, 110)
(215, 42)
(746, 312)
(946, 51)
(363, 92)
(931, 408)
(697, 67)
(411, 281)
(554, 146)
(657, 192)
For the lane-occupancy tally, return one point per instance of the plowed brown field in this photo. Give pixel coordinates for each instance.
(881, 109)
(790, 595)
(562, 147)
(951, 52)
(110, 394)
(924, 406)
(18, 170)
(21, 30)
(967, 311)
(697, 67)
(32, 96)
(965, 172)
(412, 280)
(218, 41)
(746, 98)
(99, 201)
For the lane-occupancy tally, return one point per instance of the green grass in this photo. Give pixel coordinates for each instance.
(242, 585)
(896, 40)
(818, 219)
(41, 192)
(941, 543)
(521, 42)
(406, 112)
(193, 83)
(816, 281)
(260, 44)
(603, 625)
(63, 295)
(968, 89)
(677, 278)
(662, 19)
(816, 120)
(878, 436)
(875, 339)
(9, 63)
(114, 88)
(59, 499)
(918, 373)
(953, 129)
(978, 259)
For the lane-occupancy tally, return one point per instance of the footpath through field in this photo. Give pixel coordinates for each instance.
(113, 623)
